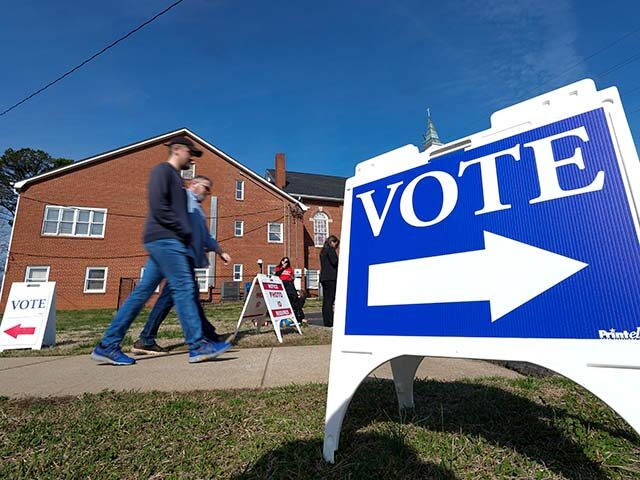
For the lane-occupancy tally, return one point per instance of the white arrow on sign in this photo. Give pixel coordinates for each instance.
(507, 273)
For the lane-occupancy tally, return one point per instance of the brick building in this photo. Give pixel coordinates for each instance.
(81, 225)
(324, 195)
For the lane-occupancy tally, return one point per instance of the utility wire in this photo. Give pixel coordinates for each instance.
(113, 44)
(138, 255)
(571, 67)
(238, 216)
(598, 52)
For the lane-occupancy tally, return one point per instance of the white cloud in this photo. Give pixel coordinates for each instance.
(524, 45)
(497, 51)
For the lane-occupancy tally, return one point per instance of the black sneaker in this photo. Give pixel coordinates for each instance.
(153, 349)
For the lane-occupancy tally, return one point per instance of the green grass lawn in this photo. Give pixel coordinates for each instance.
(489, 429)
(78, 331)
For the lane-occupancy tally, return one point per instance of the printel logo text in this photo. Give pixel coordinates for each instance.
(613, 334)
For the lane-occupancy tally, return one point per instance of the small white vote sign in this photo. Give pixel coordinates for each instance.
(29, 319)
(268, 296)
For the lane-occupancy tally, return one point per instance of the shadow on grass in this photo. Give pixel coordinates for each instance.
(365, 455)
(504, 419)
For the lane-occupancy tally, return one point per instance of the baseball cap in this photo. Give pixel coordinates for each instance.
(187, 142)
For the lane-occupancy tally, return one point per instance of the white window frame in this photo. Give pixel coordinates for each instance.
(237, 276)
(316, 282)
(239, 191)
(76, 211)
(324, 218)
(157, 290)
(27, 273)
(189, 173)
(269, 232)
(205, 272)
(271, 269)
(86, 279)
(235, 228)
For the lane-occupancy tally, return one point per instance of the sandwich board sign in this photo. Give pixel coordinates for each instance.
(520, 243)
(267, 296)
(29, 319)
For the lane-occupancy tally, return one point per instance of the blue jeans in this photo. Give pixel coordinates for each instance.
(167, 259)
(161, 309)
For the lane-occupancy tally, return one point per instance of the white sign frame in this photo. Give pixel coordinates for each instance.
(22, 328)
(268, 296)
(609, 369)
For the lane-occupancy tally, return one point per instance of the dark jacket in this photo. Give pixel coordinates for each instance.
(328, 264)
(167, 217)
(201, 239)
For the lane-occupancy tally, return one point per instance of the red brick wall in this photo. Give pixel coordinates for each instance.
(119, 185)
(334, 211)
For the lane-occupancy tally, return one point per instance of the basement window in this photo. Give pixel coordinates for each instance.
(95, 280)
(36, 274)
(237, 272)
(202, 277)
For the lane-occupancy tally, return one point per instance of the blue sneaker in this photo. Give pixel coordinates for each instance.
(112, 355)
(208, 351)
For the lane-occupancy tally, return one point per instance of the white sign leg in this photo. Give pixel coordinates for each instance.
(343, 383)
(404, 372)
(618, 387)
(276, 328)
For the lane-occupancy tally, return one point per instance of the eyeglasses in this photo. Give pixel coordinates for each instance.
(206, 187)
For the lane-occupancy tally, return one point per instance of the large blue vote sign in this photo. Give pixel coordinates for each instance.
(530, 236)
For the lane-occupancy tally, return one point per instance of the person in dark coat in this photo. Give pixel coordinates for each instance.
(328, 277)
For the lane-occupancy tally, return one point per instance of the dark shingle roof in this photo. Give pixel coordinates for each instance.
(311, 184)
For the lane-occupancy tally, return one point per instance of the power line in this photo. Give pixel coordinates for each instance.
(113, 44)
(603, 49)
(115, 257)
(238, 216)
(606, 72)
(618, 66)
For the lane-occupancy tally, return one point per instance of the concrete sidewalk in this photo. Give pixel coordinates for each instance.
(240, 368)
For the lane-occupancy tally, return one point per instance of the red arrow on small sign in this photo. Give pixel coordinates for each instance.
(18, 330)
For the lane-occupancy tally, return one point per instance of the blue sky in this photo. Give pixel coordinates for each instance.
(329, 83)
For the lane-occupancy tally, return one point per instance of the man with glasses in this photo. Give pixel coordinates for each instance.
(167, 237)
(201, 243)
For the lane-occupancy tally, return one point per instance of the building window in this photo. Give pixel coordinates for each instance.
(202, 277)
(237, 272)
(239, 228)
(313, 279)
(74, 221)
(271, 269)
(239, 189)
(36, 274)
(95, 280)
(157, 290)
(274, 233)
(190, 172)
(320, 228)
